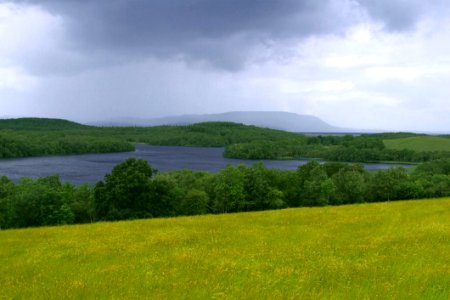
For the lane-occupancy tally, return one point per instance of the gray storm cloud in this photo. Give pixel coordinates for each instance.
(221, 33)
(225, 34)
(401, 15)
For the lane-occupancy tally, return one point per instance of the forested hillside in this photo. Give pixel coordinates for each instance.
(36, 137)
(40, 124)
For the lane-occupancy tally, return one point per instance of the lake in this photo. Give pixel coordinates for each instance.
(90, 168)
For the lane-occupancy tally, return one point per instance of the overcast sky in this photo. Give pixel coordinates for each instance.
(379, 64)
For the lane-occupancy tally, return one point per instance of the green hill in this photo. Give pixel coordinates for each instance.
(39, 124)
(213, 134)
(419, 143)
(35, 137)
(390, 250)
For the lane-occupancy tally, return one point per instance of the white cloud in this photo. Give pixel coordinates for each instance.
(368, 78)
(11, 78)
(409, 74)
(27, 33)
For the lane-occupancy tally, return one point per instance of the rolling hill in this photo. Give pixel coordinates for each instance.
(40, 124)
(396, 250)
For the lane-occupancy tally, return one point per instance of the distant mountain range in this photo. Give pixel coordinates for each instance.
(269, 119)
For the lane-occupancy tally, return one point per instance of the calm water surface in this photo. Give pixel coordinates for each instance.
(90, 168)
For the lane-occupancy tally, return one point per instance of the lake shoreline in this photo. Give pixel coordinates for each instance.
(91, 168)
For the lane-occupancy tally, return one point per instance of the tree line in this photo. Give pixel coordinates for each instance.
(135, 190)
(333, 148)
(27, 144)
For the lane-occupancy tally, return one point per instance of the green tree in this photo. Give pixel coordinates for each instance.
(386, 184)
(194, 203)
(165, 197)
(256, 186)
(6, 190)
(229, 191)
(126, 192)
(82, 204)
(40, 202)
(275, 199)
(315, 186)
(350, 186)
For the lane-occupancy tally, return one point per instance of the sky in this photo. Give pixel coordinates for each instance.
(360, 64)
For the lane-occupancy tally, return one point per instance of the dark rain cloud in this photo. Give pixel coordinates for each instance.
(225, 34)
(400, 15)
(221, 33)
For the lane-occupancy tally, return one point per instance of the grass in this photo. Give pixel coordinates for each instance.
(396, 250)
(419, 143)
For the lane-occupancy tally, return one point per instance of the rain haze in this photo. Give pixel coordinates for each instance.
(353, 63)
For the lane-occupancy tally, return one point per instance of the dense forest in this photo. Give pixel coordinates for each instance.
(365, 148)
(134, 190)
(36, 137)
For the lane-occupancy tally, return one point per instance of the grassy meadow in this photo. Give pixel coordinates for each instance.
(419, 143)
(388, 250)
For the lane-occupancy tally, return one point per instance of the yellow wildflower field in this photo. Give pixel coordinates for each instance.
(388, 250)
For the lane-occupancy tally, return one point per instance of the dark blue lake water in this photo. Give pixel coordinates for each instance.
(90, 168)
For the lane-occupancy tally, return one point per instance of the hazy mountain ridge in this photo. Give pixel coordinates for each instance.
(269, 119)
